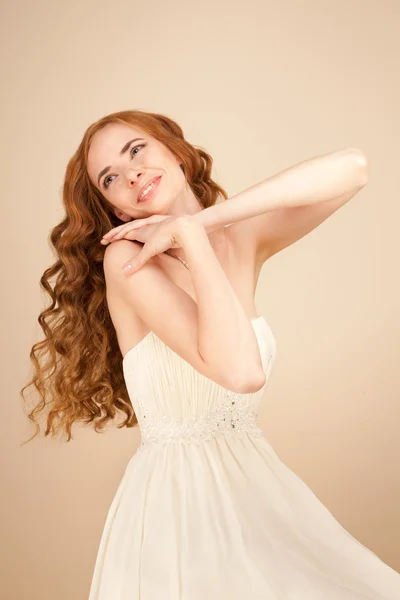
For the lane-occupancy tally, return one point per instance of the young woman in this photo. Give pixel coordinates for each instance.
(205, 508)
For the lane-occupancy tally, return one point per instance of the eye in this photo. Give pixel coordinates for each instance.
(132, 153)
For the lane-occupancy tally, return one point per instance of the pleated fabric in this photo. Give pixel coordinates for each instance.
(207, 510)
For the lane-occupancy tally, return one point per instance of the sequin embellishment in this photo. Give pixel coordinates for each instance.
(233, 417)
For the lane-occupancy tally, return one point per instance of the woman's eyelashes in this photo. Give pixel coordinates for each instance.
(105, 180)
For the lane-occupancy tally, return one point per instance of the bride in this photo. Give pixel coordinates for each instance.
(156, 320)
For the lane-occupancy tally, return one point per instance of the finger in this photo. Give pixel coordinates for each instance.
(133, 265)
(135, 224)
(122, 229)
(113, 235)
(123, 232)
(138, 233)
(138, 261)
(113, 231)
(108, 238)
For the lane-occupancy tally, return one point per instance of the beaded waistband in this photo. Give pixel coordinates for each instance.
(233, 418)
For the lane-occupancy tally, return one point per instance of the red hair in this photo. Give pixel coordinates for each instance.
(78, 365)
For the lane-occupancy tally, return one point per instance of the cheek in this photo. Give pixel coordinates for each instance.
(177, 178)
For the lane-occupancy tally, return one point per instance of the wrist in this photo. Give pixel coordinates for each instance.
(213, 217)
(187, 226)
(204, 218)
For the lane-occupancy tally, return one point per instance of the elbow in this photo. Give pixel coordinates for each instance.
(250, 385)
(361, 165)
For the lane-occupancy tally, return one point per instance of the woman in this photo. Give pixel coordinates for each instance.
(205, 508)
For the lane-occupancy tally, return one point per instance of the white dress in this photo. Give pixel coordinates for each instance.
(206, 510)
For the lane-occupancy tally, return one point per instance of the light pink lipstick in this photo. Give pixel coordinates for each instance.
(151, 193)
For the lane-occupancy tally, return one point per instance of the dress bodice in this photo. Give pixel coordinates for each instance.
(173, 402)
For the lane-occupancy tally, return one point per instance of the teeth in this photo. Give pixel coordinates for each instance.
(146, 190)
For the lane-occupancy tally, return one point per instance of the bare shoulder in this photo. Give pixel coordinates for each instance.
(147, 301)
(117, 253)
(115, 256)
(129, 327)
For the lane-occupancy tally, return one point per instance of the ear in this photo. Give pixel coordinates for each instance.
(121, 215)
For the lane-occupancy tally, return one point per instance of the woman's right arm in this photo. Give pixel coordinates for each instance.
(225, 335)
(213, 334)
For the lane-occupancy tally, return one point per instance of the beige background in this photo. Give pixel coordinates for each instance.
(261, 85)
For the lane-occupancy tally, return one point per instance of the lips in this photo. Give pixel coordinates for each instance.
(155, 179)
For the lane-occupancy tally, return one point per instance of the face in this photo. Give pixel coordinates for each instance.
(123, 159)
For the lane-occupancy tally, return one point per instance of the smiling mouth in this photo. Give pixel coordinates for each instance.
(149, 189)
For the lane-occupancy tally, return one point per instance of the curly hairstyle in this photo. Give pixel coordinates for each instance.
(78, 365)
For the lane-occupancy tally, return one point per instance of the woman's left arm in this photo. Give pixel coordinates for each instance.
(312, 181)
(287, 206)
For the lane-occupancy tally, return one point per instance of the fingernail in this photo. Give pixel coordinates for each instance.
(127, 268)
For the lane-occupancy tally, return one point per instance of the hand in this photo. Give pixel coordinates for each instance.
(139, 230)
(165, 235)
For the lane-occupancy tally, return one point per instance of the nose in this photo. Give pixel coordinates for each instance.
(133, 177)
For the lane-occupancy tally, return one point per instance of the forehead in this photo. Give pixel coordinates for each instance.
(107, 143)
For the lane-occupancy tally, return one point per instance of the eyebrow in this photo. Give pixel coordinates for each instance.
(124, 149)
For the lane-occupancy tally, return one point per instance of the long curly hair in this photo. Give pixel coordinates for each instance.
(78, 365)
